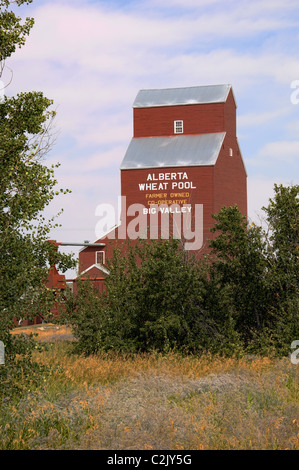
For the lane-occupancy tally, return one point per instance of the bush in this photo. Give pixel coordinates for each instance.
(242, 298)
(20, 374)
(83, 310)
(151, 301)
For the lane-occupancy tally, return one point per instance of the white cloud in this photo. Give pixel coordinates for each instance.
(92, 58)
(260, 190)
(256, 119)
(286, 152)
(293, 127)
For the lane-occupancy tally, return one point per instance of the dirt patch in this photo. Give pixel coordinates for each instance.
(46, 332)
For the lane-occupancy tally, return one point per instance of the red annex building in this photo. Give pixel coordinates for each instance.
(184, 152)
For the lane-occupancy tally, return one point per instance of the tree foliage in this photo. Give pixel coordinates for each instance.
(243, 297)
(27, 185)
(12, 32)
(282, 215)
(241, 269)
(148, 302)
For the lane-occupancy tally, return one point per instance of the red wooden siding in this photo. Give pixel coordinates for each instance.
(215, 186)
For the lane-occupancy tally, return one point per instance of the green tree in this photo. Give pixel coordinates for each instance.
(256, 271)
(282, 216)
(241, 268)
(27, 185)
(150, 301)
(13, 32)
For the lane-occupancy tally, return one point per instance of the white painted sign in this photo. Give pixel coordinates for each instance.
(165, 181)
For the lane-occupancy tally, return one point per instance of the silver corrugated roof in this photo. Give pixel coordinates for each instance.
(174, 151)
(181, 96)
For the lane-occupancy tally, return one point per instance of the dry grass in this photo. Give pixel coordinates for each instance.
(46, 331)
(152, 401)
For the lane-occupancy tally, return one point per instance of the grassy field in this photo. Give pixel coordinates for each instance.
(153, 401)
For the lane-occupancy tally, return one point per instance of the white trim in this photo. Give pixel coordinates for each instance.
(98, 240)
(98, 266)
(242, 159)
(178, 126)
(103, 253)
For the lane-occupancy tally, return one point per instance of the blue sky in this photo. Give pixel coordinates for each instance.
(92, 57)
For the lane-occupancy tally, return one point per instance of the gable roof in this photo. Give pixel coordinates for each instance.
(174, 151)
(96, 266)
(182, 96)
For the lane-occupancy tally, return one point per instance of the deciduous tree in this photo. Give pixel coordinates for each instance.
(27, 185)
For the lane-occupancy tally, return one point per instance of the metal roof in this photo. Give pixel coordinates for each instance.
(174, 151)
(181, 96)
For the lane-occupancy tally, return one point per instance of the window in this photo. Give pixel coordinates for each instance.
(100, 257)
(178, 127)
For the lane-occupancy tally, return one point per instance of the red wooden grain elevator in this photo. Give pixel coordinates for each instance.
(184, 151)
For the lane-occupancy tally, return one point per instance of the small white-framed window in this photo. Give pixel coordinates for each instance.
(100, 257)
(178, 127)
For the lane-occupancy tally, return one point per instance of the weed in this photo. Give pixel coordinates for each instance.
(153, 401)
